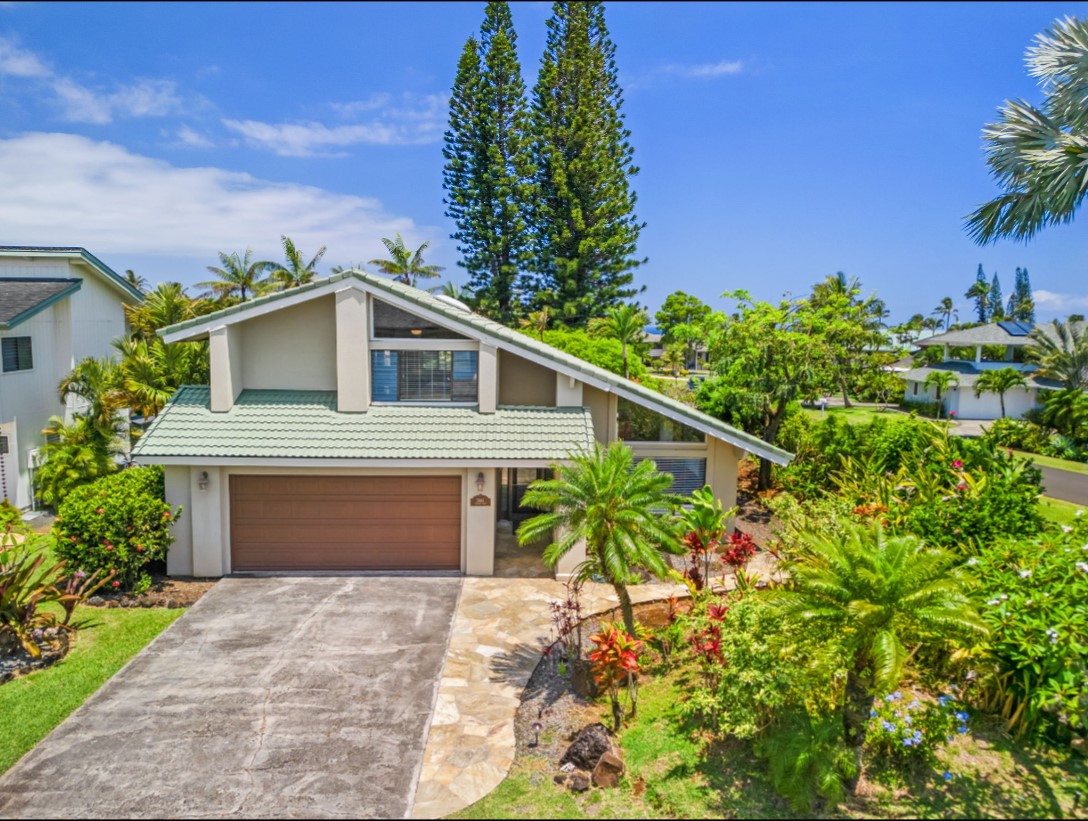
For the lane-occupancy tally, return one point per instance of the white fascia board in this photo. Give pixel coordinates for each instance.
(332, 464)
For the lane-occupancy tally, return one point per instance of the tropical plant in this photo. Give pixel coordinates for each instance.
(1035, 153)
(239, 276)
(980, 293)
(151, 370)
(947, 310)
(884, 595)
(626, 323)
(73, 455)
(616, 507)
(806, 759)
(295, 271)
(942, 381)
(911, 733)
(118, 525)
(404, 265)
(1067, 412)
(537, 321)
(96, 384)
(1063, 356)
(673, 358)
(615, 665)
(166, 305)
(999, 381)
(135, 280)
(703, 523)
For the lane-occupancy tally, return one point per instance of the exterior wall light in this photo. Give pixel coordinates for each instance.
(417, 332)
(202, 480)
(480, 482)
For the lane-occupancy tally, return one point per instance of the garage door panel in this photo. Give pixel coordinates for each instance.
(345, 523)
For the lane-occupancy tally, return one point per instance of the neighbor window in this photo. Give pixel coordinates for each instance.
(423, 376)
(17, 354)
(688, 475)
(640, 424)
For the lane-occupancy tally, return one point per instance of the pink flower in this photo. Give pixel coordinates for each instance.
(100, 511)
(73, 538)
(166, 515)
(958, 464)
(117, 584)
(961, 486)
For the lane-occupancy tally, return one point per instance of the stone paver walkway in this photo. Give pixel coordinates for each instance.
(499, 629)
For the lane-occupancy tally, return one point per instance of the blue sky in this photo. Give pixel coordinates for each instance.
(778, 143)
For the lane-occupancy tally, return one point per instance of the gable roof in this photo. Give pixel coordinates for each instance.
(22, 298)
(487, 330)
(272, 424)
(1016, 334)
(82, 255)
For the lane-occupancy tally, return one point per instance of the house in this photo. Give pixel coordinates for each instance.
(57, 306)
(357, 423)
(960, 399)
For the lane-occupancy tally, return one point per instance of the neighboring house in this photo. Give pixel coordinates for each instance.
(961, 398)
(356, 423)
(654, 337)
(57, 306)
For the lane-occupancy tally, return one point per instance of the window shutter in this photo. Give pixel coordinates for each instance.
(688, 475)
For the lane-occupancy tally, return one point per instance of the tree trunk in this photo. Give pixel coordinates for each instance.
(770, 433)
(855, 719)
(1001, 399)
(625, 607)
(845, 391)
(626, 373)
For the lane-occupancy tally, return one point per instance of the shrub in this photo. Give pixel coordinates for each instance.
(597, 350)
(80, 455)
(925, 407)
(1035, 666)
(807, 758)
(909, 734)
(1015, 433)
(10, 517)
(118, 524)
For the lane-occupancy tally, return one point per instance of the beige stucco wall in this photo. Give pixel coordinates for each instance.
(522, 382)
(598, 403)
(179, 558)
(293, 348)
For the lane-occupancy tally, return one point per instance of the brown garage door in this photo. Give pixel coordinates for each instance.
(345, 522)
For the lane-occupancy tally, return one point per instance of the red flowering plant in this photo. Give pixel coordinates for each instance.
(737, 552)
(616, 665)
(118, 523)
(703, 523)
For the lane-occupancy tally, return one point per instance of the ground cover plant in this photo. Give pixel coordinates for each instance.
(117, 525)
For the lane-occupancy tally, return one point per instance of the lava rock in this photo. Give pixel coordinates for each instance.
(592, 741)
(96, 601)
(608, 772)
(579, 781)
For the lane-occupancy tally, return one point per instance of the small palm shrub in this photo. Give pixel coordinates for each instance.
(118, 525)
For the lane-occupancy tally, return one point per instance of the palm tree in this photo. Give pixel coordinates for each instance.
(167, 305)
(151, 370)
(883, 596)
(627, 323)
(135, 280)
(239, 276)
(72, 456)
(1063, 356)
(1067, 412)
(674, 358)
(538, 321)
(947, 310)
(615, 506)
(1036, 155)
(97, 383)
(980, 293)
(295, 272)
(942, 381)
(453, 291)
(403, 265)
(999, 381)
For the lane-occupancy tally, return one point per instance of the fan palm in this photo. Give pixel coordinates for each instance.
(999, 381)
(627, 323)
(294, 271)
(239, 276)
(880, 594)
(403, 265)
(613, 504)
(1063, 355)
(1037, 154)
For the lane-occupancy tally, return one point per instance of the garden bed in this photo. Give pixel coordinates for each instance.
(165, 591)
(53, 646)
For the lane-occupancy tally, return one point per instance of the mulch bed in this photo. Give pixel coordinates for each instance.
(16, 661)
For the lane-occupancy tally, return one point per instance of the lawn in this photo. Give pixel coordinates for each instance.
(1052, 462)
(31, 706)
(1059, 511)
(857, 415)
(672, 774)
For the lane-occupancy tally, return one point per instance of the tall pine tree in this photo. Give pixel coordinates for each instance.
(488, 165)
(980, 293)
(1022, 300)
(584, 224)
(997, 301)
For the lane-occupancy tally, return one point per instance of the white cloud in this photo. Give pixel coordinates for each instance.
(416, 121)
(1051, 301)
(79, 103)
(18, 62)
(719, 69)
(64, 189)
(193, 139)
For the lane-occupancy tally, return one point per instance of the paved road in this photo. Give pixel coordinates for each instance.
(1064, 484)
(272, 697)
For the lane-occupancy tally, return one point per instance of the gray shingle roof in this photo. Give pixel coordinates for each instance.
(22, 298)
(305, 424)
(510, 339)
(991, 334)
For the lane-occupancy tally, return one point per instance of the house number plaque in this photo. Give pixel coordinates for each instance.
(479, 500)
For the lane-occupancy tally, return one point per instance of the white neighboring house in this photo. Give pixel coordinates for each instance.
(960, 398)
(57, 306)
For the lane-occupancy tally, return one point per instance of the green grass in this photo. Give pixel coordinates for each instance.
(855, 415)
(682, 777)
(1059, 511)
(1053, 462)
(31, 706)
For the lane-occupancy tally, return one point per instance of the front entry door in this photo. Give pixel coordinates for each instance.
(515, 481)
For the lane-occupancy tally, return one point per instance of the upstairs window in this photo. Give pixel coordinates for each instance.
(17, 354)
(393, 323)
(424, 376)
(640, 424)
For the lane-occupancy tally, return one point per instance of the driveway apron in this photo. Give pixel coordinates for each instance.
(272, 697)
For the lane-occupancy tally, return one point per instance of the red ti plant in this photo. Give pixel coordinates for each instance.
(616, 667)
(704, 524)
(737, 552)
(567, 623)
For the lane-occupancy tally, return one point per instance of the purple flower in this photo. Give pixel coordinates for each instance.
(80, 574)
(887, 725)
(944, 701)
(947, 776)
(961, 729)
(962, 717)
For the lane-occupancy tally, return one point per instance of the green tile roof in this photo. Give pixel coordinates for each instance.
(509, 339)
(306, 424)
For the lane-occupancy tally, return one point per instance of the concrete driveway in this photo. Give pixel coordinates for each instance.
(272, 697)
(1065, 484)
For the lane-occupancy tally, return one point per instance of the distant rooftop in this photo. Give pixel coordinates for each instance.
(1016, 334)
(73, 252)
